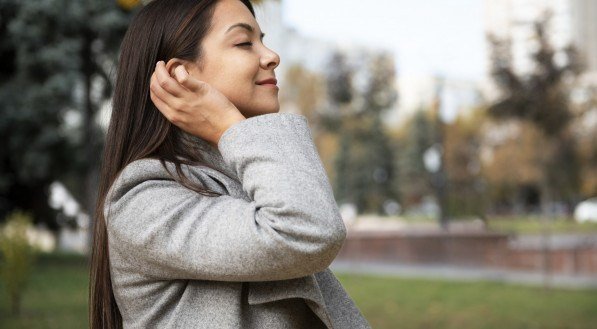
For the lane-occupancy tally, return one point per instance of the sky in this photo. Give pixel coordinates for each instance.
(430, 37)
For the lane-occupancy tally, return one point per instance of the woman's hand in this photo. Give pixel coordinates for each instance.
(194, 106)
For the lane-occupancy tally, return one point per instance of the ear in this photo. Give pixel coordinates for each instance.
(173, 63)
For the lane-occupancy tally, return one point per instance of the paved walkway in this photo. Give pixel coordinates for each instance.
(459, 273)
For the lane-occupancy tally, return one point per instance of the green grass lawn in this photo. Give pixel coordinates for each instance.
(57, 298)
(410, 303)
(535, 225)
(529, 224)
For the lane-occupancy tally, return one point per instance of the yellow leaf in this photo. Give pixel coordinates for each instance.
(128, 4)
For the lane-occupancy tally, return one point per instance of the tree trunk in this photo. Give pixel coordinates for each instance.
(545, 233)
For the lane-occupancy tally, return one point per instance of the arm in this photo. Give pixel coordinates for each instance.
(291, 228)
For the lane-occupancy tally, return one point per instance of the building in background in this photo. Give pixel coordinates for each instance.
(584, 27)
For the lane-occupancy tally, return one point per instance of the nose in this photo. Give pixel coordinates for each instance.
(270, 59)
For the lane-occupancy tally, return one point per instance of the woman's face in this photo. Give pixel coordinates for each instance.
(235, 60)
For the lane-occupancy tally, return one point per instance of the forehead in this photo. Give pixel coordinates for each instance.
(230, 12)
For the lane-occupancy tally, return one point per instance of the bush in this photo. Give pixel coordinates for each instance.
(17, 257)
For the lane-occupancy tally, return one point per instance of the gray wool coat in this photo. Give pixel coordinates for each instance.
(255, 257)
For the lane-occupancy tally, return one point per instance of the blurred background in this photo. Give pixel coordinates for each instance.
(460, 138)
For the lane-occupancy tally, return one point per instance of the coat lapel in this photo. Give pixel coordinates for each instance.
(305, 287)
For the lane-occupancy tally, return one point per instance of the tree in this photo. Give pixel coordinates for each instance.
(419, 137)
(541, 98)
(462, 143)
(17, 257)
(365, 166)
(305, 91)
(57, 55)
(339, 95)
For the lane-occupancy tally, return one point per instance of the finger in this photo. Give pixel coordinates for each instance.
(187, 81)
(181, 75)
(168, 83)
(167, 111)
(166, 97)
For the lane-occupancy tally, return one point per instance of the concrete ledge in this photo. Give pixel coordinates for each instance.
(562, 255)
(460, 273)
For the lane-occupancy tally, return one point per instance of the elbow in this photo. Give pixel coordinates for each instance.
(305, 249)
(334, 240)
(328, 246)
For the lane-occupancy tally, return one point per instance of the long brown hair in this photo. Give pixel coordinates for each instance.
(162, 30)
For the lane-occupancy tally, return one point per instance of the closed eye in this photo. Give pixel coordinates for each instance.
(245, 44)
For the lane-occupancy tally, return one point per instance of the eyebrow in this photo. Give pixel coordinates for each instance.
(244, 26)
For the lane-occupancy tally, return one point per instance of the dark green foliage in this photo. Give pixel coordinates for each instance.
(339, 79)
(365, 166)
(56, 61)
(416, 180)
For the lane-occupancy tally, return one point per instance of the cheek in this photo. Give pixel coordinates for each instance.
(236, 79)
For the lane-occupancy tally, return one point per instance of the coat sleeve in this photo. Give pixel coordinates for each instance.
(290, 227)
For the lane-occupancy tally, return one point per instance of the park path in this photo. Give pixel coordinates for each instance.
(460, 273)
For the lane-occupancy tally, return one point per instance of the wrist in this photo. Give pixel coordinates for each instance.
(229, 123)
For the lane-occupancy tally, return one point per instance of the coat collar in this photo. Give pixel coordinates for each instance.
(213, 157)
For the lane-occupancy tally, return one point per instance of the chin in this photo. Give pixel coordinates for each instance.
(252, 112)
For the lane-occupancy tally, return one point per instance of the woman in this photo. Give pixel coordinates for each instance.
(214, 209)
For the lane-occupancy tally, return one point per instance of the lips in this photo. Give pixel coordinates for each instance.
(270, 81)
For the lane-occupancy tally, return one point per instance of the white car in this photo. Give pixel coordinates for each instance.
(586, 211)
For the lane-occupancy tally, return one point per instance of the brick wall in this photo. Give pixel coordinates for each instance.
(477, 249)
